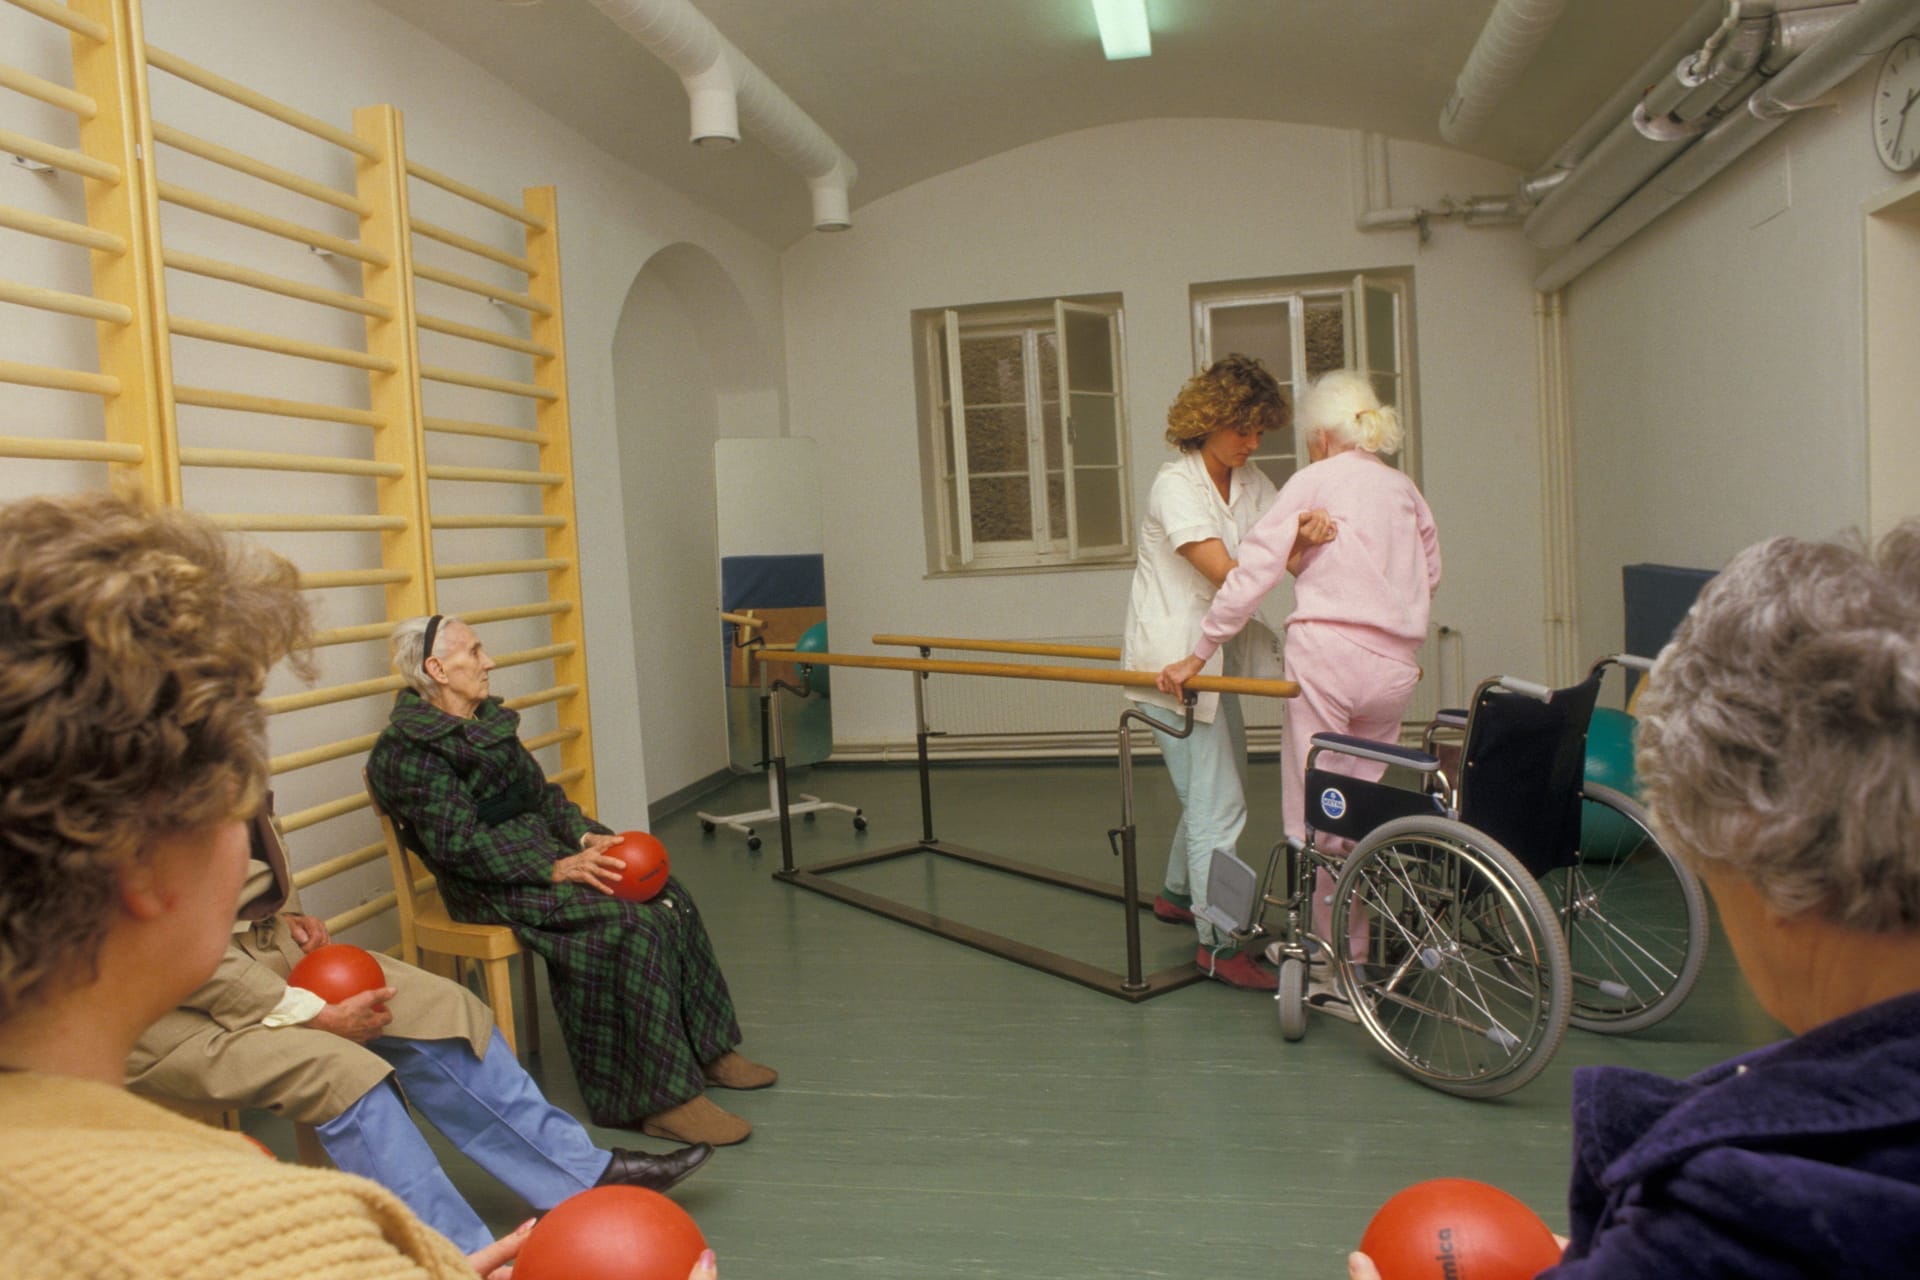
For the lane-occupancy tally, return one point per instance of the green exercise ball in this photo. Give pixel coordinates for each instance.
(1604, 833)
(814, 640)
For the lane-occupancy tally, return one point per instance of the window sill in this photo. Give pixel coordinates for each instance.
(997, 571)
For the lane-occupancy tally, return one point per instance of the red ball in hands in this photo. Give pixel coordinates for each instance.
(611, 1233)
(1458, 1229)
(645, 872)
(337, 972)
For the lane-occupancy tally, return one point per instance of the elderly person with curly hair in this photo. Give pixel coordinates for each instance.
(1779, 752)
(133, 648)
(645, 1011)
(1201, 504)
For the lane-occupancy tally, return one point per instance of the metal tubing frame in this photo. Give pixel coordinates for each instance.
(1132, 986)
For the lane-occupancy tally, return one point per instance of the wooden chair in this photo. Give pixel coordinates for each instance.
(425, 927)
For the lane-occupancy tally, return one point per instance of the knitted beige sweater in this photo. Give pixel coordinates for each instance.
(97, 1183)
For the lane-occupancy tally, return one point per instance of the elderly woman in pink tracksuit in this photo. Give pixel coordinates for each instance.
(1361, 600)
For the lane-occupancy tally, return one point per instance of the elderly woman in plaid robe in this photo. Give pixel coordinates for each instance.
(641, 1001)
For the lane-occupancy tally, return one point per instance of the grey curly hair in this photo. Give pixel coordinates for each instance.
(1780, 738)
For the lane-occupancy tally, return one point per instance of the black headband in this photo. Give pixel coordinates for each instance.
(426, 642)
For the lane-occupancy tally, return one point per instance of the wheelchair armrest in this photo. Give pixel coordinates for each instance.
(1451, 718)
(1368, 749)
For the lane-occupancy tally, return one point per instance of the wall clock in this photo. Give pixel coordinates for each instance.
(1896, 106)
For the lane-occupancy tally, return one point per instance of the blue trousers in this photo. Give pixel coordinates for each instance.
(487, 1107)
(1206, 770)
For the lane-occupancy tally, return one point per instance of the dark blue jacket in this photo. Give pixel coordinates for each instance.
(1801, 1159)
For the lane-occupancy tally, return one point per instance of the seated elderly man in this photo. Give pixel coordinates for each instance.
(247, 1039)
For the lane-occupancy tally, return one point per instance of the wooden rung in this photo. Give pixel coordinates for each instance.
(499, 522)
(234, 336)
(538, 741)
(453, 328)
(329, 580)
(362, 913)
(562, 777)
(69, 450)
(460, 427)
(478, 248)
(172, 64)
(54, 95)
(302, 818)
(495, 475)
(212, 206)
(512, 612)
(353, 635)
(307, 877)
(39, 224)
(481, 382)
(60, 15)
(256, 460)
(454, 280)
(213, 267)
(46, 375)
(474, 194)
(79, 162)
(559, 693)
(266, 522)
(521, 657)
(496, 568)
(240, 162)
(69, 304)
(329, 696)
(211, 398)
(321, 755)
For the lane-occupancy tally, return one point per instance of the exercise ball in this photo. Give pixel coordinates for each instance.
(645, 872)
(1604, 834)
(1458, 1229)
(611, 1233)
(337, 972)
(265, 1150)
(814, 640)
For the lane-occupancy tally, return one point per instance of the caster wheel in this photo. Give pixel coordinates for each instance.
(859, 822)
(753, 843)
(1291, 1000)
(706, 826)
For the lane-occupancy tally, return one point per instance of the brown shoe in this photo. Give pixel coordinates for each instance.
(731, 1071)
(697, 1120)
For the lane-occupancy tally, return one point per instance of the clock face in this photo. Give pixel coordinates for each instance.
(1896, 107)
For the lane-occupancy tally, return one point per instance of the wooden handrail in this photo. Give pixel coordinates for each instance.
(1023, 671)
(1092, 652)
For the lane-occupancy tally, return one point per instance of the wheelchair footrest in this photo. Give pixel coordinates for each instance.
(1233, 894)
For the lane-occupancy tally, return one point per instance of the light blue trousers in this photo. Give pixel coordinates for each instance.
(487, 1107)
(1206, 768)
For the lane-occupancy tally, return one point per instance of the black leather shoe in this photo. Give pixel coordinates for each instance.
(655, 1173)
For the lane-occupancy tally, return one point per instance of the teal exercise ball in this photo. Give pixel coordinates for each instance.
(1603, 832)
(814, 640)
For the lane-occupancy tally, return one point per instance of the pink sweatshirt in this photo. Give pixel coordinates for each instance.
(1377, 576)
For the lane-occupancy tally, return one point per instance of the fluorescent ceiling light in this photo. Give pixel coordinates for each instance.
(1123, 28)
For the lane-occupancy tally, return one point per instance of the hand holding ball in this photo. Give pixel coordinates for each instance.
(1458, 1229)
(645, 872)
(337, 972)
(611, 1233)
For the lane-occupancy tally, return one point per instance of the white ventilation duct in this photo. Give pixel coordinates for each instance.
(723, 88)
(1513, 34)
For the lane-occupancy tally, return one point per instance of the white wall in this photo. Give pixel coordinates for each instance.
(1148, 209)
(1717, 364)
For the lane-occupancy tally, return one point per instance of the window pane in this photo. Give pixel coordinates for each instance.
(953, 518)
(1056, 446)
(1049, 358)
(1096, 499)
(1263, 330)
(991, 371)
(1387, 387)
(996, 439)
(1382, 329)
(1326, 326)
(1001, 511)
(1089, 352)
(1057, 505)
(1096, 437)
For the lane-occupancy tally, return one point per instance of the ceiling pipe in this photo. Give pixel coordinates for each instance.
(1512, 35)
(1863, 34)
(1371, 194)
(724, 87)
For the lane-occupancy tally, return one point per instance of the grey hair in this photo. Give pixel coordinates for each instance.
(1344, 404)
(1780, 738)
(409, 663)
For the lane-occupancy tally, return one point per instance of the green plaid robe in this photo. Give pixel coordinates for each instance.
(637, 988)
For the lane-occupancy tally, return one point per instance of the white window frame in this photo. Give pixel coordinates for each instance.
(952, 547)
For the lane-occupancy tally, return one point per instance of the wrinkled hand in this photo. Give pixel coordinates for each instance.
(592, 868)
(1316, 527)
(358, 1018)
(1174, 676)
(594, 841)
(309, 931)
(495, 1261)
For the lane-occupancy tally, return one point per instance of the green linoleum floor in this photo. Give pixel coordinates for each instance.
(946, 1113)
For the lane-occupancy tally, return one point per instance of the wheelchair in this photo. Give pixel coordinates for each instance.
(1480, 912)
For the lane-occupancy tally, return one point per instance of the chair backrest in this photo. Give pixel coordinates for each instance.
(1522, 767)
(413, 884)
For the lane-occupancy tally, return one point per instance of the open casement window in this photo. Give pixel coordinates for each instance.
(1030, 423)
(1301, 328)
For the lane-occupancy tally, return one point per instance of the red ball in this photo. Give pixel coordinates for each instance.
(338, 971)
(1458, 1229)
(645, 874)
(611, 1233)
(265, 1150)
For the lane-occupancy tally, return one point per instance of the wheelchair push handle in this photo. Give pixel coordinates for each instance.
(1527, 688)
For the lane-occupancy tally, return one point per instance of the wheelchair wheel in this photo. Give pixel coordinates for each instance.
(1291, 1000)
(1635, 919)
(1465, 979)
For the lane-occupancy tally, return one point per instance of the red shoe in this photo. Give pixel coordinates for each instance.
(1237, 970)
(1171, 912)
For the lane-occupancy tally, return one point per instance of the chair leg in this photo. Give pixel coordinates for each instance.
(530, 990)
(500, 996)
(312, 1153)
